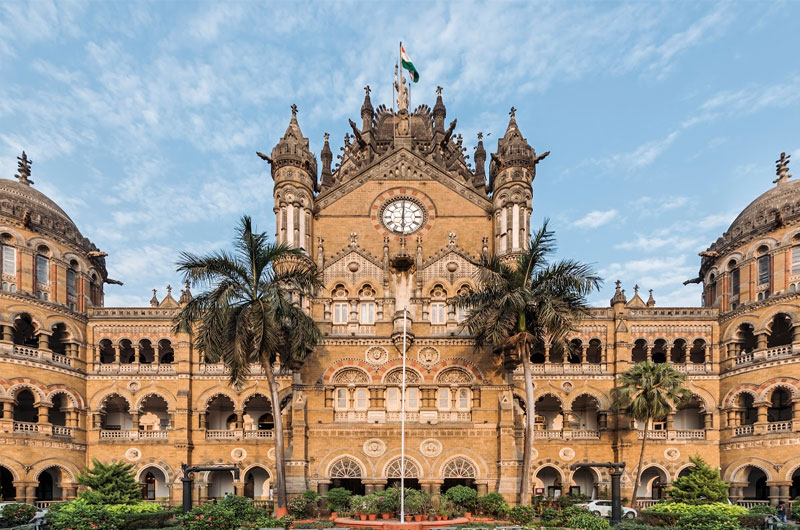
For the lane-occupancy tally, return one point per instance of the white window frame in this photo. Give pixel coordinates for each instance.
(412, 399)
(367, 313)
(440, 397)
(392, 399)
(463, 393)
(361, 399)
(342, 399)
(9, 262)
(340, 312)
(438, 313)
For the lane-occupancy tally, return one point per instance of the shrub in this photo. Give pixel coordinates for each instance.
(210, 516)
(587, 521)
(81, 515)
(389, 501)
(550, 514)
(493, 504)
(356, 503)
(707, 521)
(762, 509)
(112, 483)
(753, 522)
(702, 485)
(637, 525)
(265, 520)
(298, 507)
(521, 514)
(466, 498)
(338, 499)
(573, 510)
(142, 521)
(18, 513)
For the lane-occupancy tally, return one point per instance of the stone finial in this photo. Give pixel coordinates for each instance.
(353, 239)
(24, 169)
(169, 290)
(452, 236)
(781, 169)
(438, 91)
(513, 112)
(294, 110)
(619, 294)
(367, 90)
(485, 245)
(651, 302)
(154, 300)
(186, 294)
(636, 289)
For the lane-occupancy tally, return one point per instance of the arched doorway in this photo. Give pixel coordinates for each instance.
(49, 486)
(220, 484)
(393, 474)
(346, 473)
(547, 482)
(24, 407)
(756, 488)
(794, 489)
(258, 484)
(459, 472)
(549, 414)
(584, 483)
(7, 490)
(154, 484)
(652, 483)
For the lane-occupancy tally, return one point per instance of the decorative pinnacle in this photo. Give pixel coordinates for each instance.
(327, 136)
(636, 289)
(294, 109)
(438, 91)
(24, 169)
(367, 90)
(480, 136)
(512, 112)
(781, 169)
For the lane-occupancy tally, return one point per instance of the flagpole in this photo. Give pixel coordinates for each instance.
(403, 424)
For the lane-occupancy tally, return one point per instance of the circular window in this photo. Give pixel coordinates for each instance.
(403, 215)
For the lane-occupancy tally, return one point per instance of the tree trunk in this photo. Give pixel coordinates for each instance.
(525, 488)
(639, 469)
(280, 462)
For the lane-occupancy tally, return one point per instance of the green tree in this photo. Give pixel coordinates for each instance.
(520, 302)
(250, 314)
(112, 483)
(702, 485)
(648, 392)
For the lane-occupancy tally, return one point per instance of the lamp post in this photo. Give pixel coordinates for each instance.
(615, 470)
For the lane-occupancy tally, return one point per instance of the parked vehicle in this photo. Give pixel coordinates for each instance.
(603, 509)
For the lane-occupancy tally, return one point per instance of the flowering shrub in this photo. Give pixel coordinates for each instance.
(18, 513)
(80, 515)
(587, 521)
(521, 514)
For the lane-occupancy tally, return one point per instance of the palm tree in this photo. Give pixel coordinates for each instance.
(250, 314)
(522, 301)
(648, 392)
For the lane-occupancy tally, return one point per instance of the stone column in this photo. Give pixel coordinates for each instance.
(482, 489)
(322, 488)
(30, 493)
(602, 421)
(238, 488)
(44, 341)
(796, 415)
(761, 341)
(436, 487)
(774, 493)
(783, 491)
(369, 488)
(708, 418)
(381, 485)
(796, 334)
(8, 334)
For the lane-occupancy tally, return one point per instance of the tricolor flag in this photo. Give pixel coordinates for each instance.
(408, 65)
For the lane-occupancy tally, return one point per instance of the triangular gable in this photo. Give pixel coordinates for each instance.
(368, 266)
(402, 164)
(438, 265)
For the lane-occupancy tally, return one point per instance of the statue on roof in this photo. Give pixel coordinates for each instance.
(402, 90)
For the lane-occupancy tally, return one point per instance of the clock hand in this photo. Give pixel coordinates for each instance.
(403, 217)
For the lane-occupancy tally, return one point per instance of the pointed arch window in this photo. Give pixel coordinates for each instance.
(763, 269)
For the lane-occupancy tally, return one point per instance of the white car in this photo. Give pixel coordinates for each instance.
(603, 509)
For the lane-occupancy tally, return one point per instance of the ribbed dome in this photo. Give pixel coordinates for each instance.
(777, 206)
(33, 209)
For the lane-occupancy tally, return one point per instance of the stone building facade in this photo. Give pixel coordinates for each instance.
(396, 228)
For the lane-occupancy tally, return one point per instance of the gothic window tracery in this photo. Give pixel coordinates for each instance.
(459, 468)
(395, 469)
(345, 468)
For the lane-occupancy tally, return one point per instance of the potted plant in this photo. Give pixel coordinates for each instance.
(356, 505)
(384, 504)
(371, 506)
(338, 501)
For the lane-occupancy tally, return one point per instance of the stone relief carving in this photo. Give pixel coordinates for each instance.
(395, 377)
(454, 376)
(431, 447)
(350, 376)
(374, 447)
(428, 356)
(377, 355)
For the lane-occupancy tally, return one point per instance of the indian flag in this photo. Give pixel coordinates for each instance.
(407, 64)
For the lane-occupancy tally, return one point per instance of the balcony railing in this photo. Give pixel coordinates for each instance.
(744, 358)
(564, 368)
(44, 504)
(548, 434)
(137, 368)
(689, 434)
(397, 416)
(62, 359)
(60, 430)
(352, 416)
(779, 351)
(779, 426)
(153, 435)
(261, 433)
(750, 503)
(583, 434)
(26, 351)
(223, 434)
(743, 430)
(26, 426)
(642, 504)
(106, 434)
(652, 435)
(692, 368)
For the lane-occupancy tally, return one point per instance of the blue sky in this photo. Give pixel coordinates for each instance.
(664, 119)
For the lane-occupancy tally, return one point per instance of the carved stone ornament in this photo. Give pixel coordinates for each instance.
(428, 356)
(133, 454)
(454, 376)
(672, 453)
(377, 355)
(353, 266)
(238, 454)
(395, 377)
(271, 454)
(134, 387)
(567, 453)
(534, 453)
(430, 447)
(374, 447)
(566, 386)
(350, 376)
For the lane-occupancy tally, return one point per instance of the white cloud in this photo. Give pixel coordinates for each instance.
(595, 219)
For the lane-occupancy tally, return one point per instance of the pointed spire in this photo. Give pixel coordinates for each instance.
(619, 295)
(367, 112)
(439, 111)
(293, 150)
(24, 169)
(327, 157)
(186, 294)
(636, 301)
(480, 163)
(651, 302)
(154, 300)
(781, 169)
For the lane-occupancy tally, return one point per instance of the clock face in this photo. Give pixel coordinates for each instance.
(403, 216)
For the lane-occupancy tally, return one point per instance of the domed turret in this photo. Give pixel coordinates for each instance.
(511, 174)
(294, 170)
